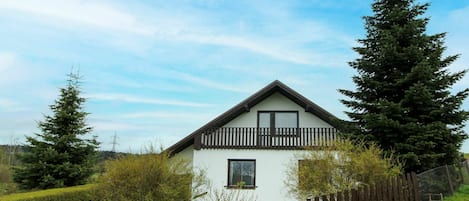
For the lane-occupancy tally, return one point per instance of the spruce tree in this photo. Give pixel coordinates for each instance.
(60, 155)
(402, 98)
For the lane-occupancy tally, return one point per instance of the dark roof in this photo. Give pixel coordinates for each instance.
(244, 106)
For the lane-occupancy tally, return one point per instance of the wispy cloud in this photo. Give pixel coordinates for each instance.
(250, 45)
(460, 16)
(176, 116)
(142, 100)
(7, 61)
(100, 126)
(9, 67)
(115, 19)
(208, 83)
(10, 105)
(85, 13)
(170, 80)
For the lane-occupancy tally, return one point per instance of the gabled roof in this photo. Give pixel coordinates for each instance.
(244, 106)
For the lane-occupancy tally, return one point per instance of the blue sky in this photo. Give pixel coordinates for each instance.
(154, 71)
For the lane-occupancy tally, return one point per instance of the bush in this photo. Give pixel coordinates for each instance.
(151, 176)
(6, 184)
(338, 168)
(229, 195)
(77, 193)
(8, 188)
(5, 174)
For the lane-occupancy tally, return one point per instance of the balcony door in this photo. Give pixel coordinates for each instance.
(276, 124)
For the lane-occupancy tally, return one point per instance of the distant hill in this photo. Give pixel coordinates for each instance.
(102, 155)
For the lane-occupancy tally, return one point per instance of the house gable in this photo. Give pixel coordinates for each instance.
(269, 95)
(276, 102)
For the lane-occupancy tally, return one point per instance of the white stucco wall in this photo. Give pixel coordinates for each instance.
(277, 102)
(187, 155)
(271, 169)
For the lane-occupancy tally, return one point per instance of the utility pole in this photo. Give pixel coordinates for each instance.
(12, 149)
(114, 143)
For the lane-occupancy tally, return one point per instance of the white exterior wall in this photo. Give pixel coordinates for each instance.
(187, 154)
(277, 102)
(271, 170)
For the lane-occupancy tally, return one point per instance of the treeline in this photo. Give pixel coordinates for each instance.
(9, 153)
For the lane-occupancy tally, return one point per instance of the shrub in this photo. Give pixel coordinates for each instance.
(6, 184)
(228, 195)
(151, 176)
(5, 174)
(338, 168)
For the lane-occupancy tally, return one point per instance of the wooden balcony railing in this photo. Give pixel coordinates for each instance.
(265, 138)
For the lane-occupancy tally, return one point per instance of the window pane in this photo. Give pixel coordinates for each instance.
(248, 173)
(264, 119)
(241, 173)
(235, 174)
(286, 120)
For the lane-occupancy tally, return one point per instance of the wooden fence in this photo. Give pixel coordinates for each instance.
(404, 188)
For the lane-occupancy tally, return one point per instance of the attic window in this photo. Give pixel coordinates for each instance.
(279, 122)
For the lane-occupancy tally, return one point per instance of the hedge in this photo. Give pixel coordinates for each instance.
(76, 193)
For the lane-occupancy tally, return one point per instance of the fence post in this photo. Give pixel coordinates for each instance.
(355, 195)
(405, 188)
(339, 196)
(466, 165)
(449, 180)
(461, 176)
(346, 195)
(415, 186)
(324, 198)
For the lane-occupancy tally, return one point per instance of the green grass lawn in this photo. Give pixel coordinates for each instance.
(46, 193)
(461, 195)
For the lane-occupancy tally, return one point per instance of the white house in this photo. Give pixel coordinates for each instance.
(253, 142)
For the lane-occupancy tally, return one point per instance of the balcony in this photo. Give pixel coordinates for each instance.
(265, 138)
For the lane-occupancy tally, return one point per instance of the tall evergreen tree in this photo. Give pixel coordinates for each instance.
(59, 155)
(402, 98)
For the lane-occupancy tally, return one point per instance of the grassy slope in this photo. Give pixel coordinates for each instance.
(461, 195)
(43, 193)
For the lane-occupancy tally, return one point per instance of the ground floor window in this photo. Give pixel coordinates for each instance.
(241, 173)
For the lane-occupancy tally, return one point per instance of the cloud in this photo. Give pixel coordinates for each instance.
(85, 13)
(460, 17)
(112, 126)
(10, 105)
(207, 83)
(169, 80)
(250, 45)
(170, 26)
(9, 64)
(142, 100)
(7, 61)
(176, 116)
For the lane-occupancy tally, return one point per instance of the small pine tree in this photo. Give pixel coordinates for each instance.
(59, 156)
(403, 100)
